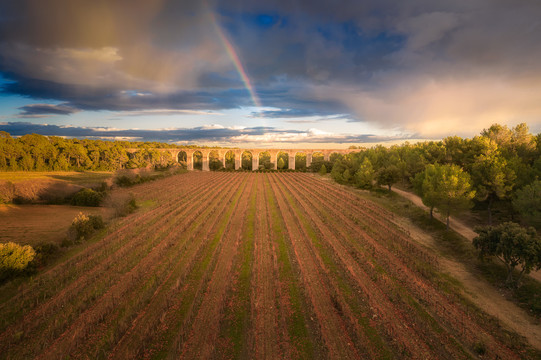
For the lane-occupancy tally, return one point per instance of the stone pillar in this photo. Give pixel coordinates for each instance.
(205, 160)
(174, 154)
(223, 158)
(274, 159)
(255, 162)
(189, 160)
(308, 159)
(238, 159)
(292, 161)
(326, 156)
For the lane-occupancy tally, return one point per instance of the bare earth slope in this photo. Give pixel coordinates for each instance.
(248, 265)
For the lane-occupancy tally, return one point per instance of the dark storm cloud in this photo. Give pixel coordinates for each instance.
(45, 109)
(410, 65)
(198, 134)
(84, 98)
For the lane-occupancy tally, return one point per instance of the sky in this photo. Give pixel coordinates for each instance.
(269, 73)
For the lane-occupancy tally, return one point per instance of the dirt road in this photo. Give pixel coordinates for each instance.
(454, 224)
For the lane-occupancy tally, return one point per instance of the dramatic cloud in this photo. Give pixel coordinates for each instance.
(262, 136)
(45, 110)
(434, 68)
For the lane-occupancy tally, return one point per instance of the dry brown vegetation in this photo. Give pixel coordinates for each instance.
(47, 187)
(244, 265)
(34, 224)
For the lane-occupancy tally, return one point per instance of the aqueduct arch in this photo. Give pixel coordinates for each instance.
(236, 154)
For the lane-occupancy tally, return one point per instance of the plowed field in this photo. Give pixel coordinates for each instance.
(242, 265)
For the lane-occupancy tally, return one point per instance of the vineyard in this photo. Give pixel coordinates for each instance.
(248, 265)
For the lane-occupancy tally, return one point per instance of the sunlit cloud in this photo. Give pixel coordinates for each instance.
(263, 136)
(430, 68)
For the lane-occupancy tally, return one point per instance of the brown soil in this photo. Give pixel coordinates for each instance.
(268, 301)
(330, 276)
(483, 294)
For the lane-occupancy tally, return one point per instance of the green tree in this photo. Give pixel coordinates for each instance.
(215, 163)
(445, 187)
(493, 179)
(364, 176)
(300, 161)
(285, 158)
(26, 162)
(523, 143)
(527, 202)
(41, 149)
(265, 160)
(14, 259)
(77, 153)
(247, 160)
(61, 163)
(346, 176)
(230, 160)
(337, 172)
(425, 184)
(388, 176)
(323, 170)
(501, 135)
(513, 245)
(453, 190)
(281, 163)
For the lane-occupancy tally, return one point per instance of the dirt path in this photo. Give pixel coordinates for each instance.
(454, 224)
(481, 293)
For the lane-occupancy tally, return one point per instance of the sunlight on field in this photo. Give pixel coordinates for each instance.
(238, 265)
(72, 177)
(34, 224)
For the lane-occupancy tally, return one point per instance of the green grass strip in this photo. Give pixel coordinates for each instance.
(235, 327)
(196, 276)
(297, 325)
(345, 287)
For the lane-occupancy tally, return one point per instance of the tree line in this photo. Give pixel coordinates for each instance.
(500, 165)
(33, 152)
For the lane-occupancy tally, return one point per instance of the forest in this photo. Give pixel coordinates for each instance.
(33, 152)
(501, 165)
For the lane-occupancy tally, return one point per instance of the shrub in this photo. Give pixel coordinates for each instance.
(124, 181)
(14, 259)
(28, 191)
(44, 251)
(58, 192)
(7, 192)
(103, 187)
(87, 197)
(122, 204)
(83, 227)
(480, 348)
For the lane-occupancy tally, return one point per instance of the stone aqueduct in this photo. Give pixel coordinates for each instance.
(205, 152)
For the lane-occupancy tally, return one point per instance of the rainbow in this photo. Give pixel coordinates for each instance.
(235, 59)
